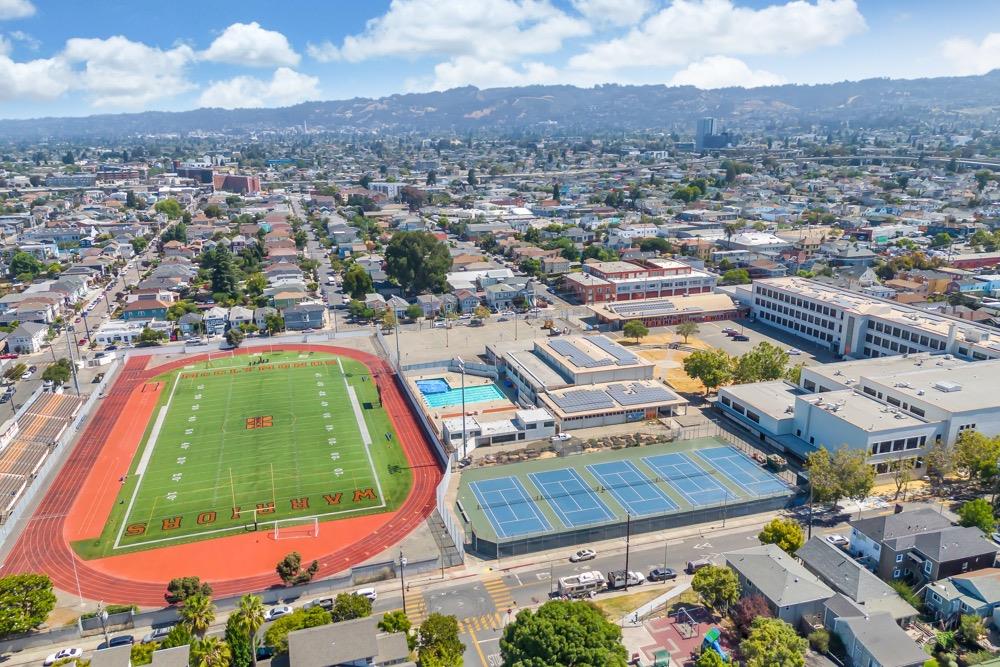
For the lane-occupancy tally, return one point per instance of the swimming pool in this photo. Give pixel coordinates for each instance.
(439, 394)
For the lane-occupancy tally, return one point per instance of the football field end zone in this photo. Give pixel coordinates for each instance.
(189, 367)
(43, 545)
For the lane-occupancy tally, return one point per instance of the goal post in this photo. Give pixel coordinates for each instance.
(288, 529)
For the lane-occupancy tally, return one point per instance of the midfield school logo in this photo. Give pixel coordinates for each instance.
(259, 422)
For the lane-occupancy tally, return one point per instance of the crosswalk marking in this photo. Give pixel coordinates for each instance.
(492, 621)
(500, 593)
(416, 608)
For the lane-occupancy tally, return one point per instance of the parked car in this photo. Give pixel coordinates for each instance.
(156, 635)
(264, 652)
(277, 612)
(368, 592)
(995, 537)
(120, 640)
(741, 338)
(560, 437)
(837, 540)
(325, 603)
(9, 355)
(63, 654)
(25, 375)
(695, 565)
(794, 351)
(582, 555)
(661, 574)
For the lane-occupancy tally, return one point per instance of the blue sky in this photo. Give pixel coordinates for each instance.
(78, 57)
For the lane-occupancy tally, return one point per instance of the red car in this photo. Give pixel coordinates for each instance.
(8, 356)
(82, 341)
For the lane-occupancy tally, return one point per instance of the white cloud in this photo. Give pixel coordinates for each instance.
(249, 44)
(491, 30)
(285, 87)
(25, 39)
(118, 72)
(43, 79)
(466, 70)
(613, 12)
(723, 72)
(690, 29)
(16, 9)
(969, 57)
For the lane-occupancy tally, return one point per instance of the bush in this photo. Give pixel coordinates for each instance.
(907, 593)
(819, 640)
(112, 609)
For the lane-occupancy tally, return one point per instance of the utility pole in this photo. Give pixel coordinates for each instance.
(72, 360)
(628, 540)
(402, 578)
(461, 366)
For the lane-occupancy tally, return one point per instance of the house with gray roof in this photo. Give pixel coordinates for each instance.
(790, 590)
(27, 338)
(356, 642)
(920, 546)
(973, 593)
(839, 571)
(874, 640)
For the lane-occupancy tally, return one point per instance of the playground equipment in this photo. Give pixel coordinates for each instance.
(711, 641)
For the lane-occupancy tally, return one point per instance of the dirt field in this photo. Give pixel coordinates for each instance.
(670, 363)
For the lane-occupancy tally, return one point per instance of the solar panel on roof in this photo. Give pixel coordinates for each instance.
(576, 355)
(624, 357)
(582, 400)
(637, 394)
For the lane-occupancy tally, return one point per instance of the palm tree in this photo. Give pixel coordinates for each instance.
(198, 613)
(211, 652)
(251, 615)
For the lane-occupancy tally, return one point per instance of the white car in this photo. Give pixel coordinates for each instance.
(582, 555)
(794, 351)
(440, 325)
(837, 540)
(636, 578)
(558, 437)
(63, 654)
(277, 612)
(367, 593)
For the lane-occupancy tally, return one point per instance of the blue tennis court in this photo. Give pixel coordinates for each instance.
(633, 490)
(571, 499)
(508, 507)
(694, 483)
(742, 470)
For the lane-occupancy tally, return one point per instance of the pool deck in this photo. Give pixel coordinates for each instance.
(498, 409)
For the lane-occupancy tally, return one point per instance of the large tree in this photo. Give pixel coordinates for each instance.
(24, 263)
(291, 571)
(357, 282)
(785, 533)
(713, 367)
(169, 207)
(773, 643)
(198, 613)
(25, 602)
(978, 513)
(181, 588)
(635, 329)
(438, 644)
(717, 586)
(977, 454)
(417, 261)
(686, 330)
(249, 619)
(762, 363)
(747, 610)
(844, 474)
(562, 634)
(59, 372)
(348, 606)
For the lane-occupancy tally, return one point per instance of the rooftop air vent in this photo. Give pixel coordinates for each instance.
(947, 386)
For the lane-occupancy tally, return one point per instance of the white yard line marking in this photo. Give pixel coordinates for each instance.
(147, 453)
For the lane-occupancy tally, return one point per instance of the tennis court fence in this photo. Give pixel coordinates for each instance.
(491, 547)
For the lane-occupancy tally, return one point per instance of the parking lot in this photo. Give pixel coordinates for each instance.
(712, 334)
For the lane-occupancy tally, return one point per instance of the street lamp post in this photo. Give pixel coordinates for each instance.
(461, 366)
(402, 578)
(103, 615)
(72, 360)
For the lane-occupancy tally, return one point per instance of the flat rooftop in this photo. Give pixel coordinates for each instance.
(971, 386)
(841, 371)
(663, 306)
(861, 411)
(774, 399)
(596, 399)
(532, 366)
(589, 353)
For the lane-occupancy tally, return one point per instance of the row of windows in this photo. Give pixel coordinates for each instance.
(797, 326)
(801, 303)
(897, 348)
(806, 317)
(899, 445)
(905, 334)
(894, 401)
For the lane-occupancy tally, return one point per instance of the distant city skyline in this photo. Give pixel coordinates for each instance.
(63, 57)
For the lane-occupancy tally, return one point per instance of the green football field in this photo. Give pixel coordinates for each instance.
(242, 442)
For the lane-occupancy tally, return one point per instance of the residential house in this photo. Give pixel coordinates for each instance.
(920, 545)
(874, 640)
(190, 323)
(288, 296)
(555, 265)
(790, 590)
(215, 320)
(974, 593)
(260, 316)
(355, 642)
(27, 338)
(375, 301)
(240, 315)
(504, 295)
(398, 305)
(835, 568)
(304, 316)
(145, 309)
(430, 304)
(467, 300)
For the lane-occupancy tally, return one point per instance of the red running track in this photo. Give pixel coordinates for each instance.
(43, 545)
